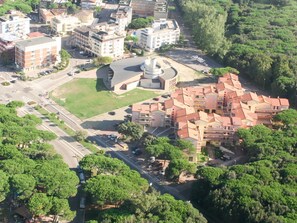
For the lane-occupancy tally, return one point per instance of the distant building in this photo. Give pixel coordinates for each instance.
(161, 33)
(122, 17)
(161, 9)
(37, 53)
(85, 16)
(64, 24)
(47, 15)
(156, 8)
(90, 4)
(102, 40)
(7, 43)
(210, 113)
(15, 23)
(143, 8)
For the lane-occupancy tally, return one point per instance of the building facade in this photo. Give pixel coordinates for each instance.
(64, 24)
(46, 15)
(15, 24)
(100, 41)
(210, 113)
(161, 33)
(37, 53)
(107, 43)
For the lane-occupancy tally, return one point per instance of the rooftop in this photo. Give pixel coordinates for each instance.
(35, 41)
(125, 69)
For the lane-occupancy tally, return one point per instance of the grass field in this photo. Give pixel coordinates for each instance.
(86, 98)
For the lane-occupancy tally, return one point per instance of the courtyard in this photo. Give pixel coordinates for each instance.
(86, 97)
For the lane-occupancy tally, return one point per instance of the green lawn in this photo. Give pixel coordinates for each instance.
(86, 98)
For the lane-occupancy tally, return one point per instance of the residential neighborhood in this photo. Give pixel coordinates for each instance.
(141, 111)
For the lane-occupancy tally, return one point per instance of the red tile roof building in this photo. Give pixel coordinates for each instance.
(210, 113)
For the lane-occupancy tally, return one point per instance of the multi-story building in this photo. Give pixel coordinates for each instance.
(210, 113)
(81, 38)
(7, 43)
(161, 9)
(46, 15)
(143, 7)
(156, 8)
(100, 41)
(15, 24)
(64, 24)
(90, 4)
(37, 52)
(107, 43)
(122, 17)
(161, 33)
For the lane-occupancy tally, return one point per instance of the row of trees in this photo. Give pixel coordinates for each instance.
(24, 6)
(113, 183)
(263, 190)
(256, 37)
(31, 172)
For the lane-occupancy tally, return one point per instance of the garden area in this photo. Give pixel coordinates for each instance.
(86, 98)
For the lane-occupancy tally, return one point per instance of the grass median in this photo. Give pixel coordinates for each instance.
(86, 98)
(53, 118)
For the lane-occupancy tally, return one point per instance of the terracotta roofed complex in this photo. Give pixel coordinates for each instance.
(215, 112)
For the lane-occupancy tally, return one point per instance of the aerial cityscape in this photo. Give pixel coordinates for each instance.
(148, 111)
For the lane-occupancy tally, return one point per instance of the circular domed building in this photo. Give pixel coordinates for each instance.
(153, 73)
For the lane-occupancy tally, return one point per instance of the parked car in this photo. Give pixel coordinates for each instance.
(82, 203)
(156, 99)
(82, 178)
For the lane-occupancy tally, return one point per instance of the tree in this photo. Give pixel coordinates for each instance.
(140, 23)
(177, 166)
(80, 135)
(102, 61)
(208, 26)
(106, 189)
(131, 129)
(287, 117)
(39, 204)
(53, 6)
(23, 185)
(219, 72)
(55, 179)
(15, 104)
(186, 145)
(4, 185)
(60, 207)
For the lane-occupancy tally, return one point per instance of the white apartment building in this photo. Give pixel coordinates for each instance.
(15, 24)
(107, 43)
(161, 33)
(64, 24)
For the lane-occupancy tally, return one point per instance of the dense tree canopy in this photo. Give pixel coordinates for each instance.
(256, 37)
(111, 182)
(30, 171)
(263, 190)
